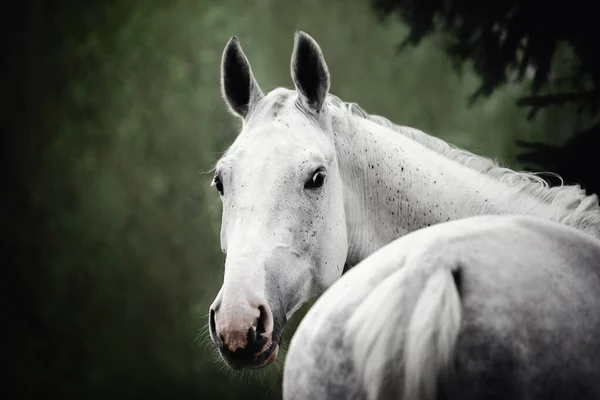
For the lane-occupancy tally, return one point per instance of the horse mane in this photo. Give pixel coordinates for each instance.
(579, 210)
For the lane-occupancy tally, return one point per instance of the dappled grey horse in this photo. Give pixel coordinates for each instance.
(486, 307)
(313, 185)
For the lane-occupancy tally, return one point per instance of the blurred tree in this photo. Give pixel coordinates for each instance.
(551, 46)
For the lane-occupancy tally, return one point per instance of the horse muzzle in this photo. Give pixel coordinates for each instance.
(244, 335)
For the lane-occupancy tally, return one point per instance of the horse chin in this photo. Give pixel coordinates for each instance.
(273, 356)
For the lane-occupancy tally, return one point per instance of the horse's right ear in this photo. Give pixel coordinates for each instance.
(309, 71)
(238, 86)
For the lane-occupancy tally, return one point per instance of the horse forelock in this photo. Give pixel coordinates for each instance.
(271, 105)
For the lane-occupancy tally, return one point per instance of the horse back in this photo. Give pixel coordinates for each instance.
(530, 292)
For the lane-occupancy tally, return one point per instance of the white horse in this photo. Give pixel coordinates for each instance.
(486, 307)
(312, 186)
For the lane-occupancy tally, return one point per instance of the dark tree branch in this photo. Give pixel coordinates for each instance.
(504, 36)
(538, 102)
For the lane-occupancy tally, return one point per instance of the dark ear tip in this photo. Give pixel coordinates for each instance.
(304, 45)
(302, 38)
(232, 43)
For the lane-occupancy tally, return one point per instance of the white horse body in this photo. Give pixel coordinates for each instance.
(487, 307)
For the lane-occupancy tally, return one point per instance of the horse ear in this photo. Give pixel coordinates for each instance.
(309, 71)
(238, 86)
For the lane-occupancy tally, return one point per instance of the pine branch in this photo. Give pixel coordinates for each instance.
(586, 99)
(556, 99)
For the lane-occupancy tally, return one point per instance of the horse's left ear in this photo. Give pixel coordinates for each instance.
(309, 71)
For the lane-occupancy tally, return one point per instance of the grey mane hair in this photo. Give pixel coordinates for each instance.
(579, 210)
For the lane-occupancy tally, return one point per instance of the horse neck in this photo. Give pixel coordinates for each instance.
(394, 185)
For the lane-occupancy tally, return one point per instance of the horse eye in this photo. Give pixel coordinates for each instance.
(316, 181)
(218, 184)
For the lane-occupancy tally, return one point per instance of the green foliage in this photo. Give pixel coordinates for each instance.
(117, 251)
(509, 40)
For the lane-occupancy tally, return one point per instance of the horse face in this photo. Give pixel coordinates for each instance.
(283, 226)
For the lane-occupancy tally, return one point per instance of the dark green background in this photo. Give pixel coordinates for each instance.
(117, 245)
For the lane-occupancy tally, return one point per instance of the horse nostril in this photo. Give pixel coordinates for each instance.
(263, 320)
(213, 326)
